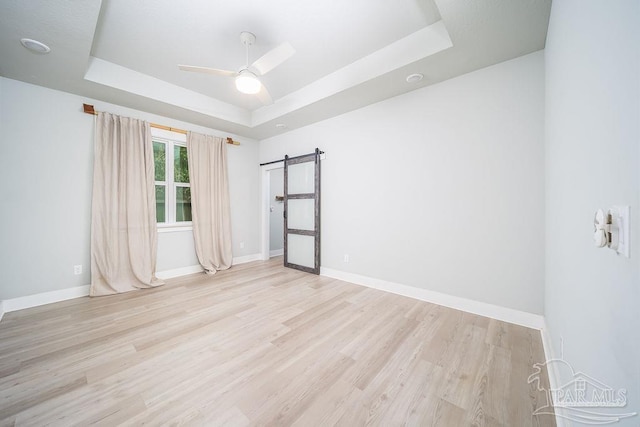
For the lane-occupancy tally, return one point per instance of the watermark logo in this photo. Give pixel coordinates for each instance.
(582, 399)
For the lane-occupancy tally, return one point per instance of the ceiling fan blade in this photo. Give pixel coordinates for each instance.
(207, 70)
(273, 58)
(264, 96)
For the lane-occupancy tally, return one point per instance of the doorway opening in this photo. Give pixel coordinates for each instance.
(276, 212)
(267, 201)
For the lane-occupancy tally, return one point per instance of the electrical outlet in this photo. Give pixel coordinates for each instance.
(77, 269)
(346, 258)
(241, 245)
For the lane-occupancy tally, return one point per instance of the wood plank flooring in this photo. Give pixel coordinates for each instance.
(263, 345)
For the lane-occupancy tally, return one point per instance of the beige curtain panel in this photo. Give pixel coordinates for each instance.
(123, 216)
(210, 210)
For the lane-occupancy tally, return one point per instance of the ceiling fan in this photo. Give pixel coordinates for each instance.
(247, 80)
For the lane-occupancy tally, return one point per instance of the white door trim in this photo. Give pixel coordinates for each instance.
(264, 207)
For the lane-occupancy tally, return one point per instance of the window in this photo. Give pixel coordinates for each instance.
(173, 191)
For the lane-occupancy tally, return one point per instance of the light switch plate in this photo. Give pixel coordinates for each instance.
(624, 223)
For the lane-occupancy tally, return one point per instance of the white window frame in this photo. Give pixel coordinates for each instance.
(170, 140)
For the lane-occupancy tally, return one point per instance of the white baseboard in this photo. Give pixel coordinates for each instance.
(276, 252)
(530, 320)
(484, 309)
(246, 258)
(177, 272)
(29, 301)
(192, 269)
(549, 352)
(552, 369)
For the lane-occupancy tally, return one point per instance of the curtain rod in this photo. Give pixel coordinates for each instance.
(89, 110)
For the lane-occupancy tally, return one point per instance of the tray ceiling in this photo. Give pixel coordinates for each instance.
(348, 54)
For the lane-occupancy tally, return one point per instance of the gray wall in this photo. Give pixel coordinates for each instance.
(46, 166)
(592, 296)
(440, 188)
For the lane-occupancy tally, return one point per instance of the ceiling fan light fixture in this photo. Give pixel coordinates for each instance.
(247, 82)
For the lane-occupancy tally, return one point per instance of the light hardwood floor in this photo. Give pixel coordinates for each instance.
(263, 345)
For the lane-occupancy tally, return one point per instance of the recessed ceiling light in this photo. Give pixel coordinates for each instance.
(35, 46)
(414, 78)
(281, 125)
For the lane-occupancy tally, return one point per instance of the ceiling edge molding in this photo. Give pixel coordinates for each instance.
(421, 44)
(118, 77)
(416, 46)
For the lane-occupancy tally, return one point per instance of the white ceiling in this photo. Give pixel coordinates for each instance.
(348, 53)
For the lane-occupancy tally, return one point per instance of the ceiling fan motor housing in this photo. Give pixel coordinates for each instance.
(247, 38)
